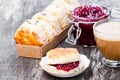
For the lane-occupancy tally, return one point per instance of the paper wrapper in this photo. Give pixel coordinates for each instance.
(39, 52)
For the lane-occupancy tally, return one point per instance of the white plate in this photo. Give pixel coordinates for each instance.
(84, 63)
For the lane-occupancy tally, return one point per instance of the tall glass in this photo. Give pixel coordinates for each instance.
(107, 37)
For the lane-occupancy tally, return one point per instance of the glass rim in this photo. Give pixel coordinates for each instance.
(105, 21)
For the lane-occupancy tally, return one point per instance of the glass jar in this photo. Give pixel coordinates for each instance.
(83, 19)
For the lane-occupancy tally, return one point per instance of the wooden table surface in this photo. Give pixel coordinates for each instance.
(12, 14)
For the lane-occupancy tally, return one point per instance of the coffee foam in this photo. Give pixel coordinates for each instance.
(108, 31)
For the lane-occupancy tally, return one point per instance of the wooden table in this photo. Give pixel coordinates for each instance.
(12, 67)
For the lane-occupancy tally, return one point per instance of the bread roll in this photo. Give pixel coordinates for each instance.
(30, 34)
(50, 18)
(62, 55)
(60, 14)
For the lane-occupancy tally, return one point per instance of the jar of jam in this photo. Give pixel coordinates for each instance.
(83, 19)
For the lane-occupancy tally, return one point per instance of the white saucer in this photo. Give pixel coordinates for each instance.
(84, 63)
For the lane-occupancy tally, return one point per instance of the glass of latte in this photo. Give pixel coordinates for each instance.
(107, 37)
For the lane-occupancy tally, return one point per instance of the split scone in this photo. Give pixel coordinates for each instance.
(60, 13)
(30, 34)
(50, 18)
(62, 61)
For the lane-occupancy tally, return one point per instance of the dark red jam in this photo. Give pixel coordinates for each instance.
(90, 13)
(87, 16)
(67, 66)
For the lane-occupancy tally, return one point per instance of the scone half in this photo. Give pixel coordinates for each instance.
(66, 68)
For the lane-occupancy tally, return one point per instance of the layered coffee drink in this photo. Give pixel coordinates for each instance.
(107, 36)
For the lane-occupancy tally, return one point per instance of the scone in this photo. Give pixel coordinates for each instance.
(44, 26)
(50, 18)
(47, 28)
(69, 5)
(62, 61)
(60, 13)
(30, 34)
(62, 55)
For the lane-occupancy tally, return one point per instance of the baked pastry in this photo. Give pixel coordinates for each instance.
(62, 61)
(60, 13)
(47, 28)
(68, 5)
(62, 55)
(44, 26)
(30, 34)
(50, 18)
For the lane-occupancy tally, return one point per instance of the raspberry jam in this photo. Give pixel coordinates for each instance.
(86, 16)
(67, 66)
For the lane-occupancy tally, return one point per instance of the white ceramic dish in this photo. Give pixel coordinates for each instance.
(84, 63)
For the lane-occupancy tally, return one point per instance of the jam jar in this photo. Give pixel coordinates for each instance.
(83, 19)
